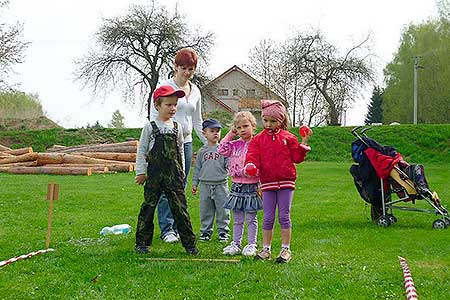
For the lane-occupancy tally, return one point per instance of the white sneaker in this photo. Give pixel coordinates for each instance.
(170, 238)
(232, 249)
(249, 250)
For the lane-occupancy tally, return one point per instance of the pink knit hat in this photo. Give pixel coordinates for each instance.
(274, 109)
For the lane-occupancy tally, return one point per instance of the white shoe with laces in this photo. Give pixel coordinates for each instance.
(170, 238)
(232, 249)
(249, 250)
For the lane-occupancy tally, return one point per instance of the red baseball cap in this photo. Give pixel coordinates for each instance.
(166, 91)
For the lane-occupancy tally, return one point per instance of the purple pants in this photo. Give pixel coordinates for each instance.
(238, 226)
(281, 198)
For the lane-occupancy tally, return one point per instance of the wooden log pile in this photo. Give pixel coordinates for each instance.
(76, 160)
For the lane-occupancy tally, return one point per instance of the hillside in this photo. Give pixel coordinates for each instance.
(418, 144)
(36, 123)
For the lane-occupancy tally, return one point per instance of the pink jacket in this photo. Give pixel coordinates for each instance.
(236, 151)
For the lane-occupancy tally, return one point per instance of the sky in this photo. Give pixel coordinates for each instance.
(61, 31)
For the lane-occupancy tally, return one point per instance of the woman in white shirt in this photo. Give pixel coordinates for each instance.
(189, 116)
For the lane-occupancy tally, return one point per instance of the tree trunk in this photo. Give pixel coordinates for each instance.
(50, 170)
(64, 158)
(19, 151)
(129, 146)
(129, 157)
(4, 148)
(111, 167)
(32, 163)
(5, 155)
(19, 158)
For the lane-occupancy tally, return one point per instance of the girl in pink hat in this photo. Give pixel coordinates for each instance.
(274, 153)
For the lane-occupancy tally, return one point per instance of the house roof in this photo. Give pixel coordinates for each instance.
(247, 104)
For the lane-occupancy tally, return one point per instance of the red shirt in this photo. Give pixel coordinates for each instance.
(275, 155)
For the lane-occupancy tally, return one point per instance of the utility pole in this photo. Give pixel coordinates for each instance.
(416, 66)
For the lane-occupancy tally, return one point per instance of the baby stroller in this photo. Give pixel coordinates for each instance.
(380, 174)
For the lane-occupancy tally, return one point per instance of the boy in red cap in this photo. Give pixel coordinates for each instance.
(159, 167)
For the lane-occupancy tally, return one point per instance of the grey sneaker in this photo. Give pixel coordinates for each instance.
(204, 236)
(224, 237)
(232, 249)
(170, 238)
(284, 257)
(263, 254)
(249, 250)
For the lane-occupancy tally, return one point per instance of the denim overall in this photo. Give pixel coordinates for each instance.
(164, 174)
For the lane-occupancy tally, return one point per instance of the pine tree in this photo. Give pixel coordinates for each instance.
(117, 120)
(375, 111)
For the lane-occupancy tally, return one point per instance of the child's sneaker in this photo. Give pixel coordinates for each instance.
(263, 254)
(224, 237)
(204, 236)
(192, 251)
(249, 250)
(232, 249)
(170, 238)
(285, 256)
(142, 249)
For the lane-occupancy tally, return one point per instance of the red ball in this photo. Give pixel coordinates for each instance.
(251, 170)
(305, 130)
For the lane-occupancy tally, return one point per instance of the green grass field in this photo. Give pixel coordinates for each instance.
(337, 252)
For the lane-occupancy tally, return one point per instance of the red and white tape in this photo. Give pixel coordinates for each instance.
(409, 283)
(25, 256)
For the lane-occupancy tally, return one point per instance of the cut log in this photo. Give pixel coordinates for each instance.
(111, 167)
(19, 151)
(4, 148)
(117, 149)
(19, 158)
(32, 163)
(129, 157)
(4, 155)
(50, 170)
(96, 147)
(64, 158)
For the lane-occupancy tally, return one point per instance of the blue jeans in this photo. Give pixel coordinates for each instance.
(165, 218)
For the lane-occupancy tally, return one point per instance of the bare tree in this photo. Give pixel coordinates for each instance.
(337, 77)
(12, 48)
(306, 64)
(132, 51)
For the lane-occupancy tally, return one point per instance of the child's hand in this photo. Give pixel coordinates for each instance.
(194, 190)
(233, 131)
(305, 140)
(140, 179)
(305, 132)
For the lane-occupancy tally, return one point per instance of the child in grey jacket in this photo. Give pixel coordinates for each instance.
(211, 172)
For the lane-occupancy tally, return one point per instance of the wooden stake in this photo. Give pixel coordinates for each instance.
(191, 259)
(52, 194)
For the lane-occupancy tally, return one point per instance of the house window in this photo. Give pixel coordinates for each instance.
(223, 92)
(250, 93)
(235, 92)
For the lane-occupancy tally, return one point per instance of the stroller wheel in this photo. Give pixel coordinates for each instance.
(447, 221)
(383, 221)
(392, 218)
(439, 224)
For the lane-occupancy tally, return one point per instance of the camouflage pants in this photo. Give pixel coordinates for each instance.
(177, 203)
